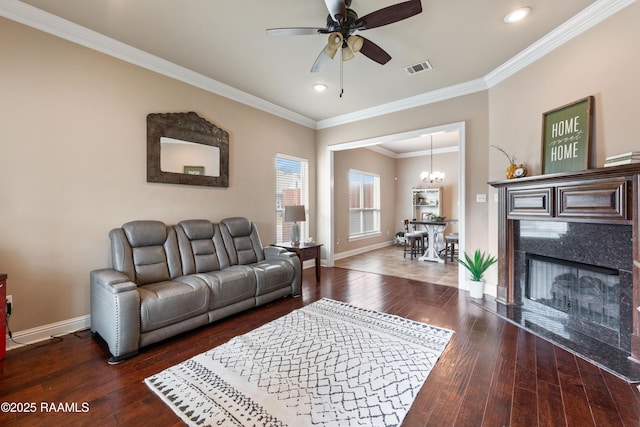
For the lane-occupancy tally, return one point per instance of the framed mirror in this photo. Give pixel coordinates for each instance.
(184, 148)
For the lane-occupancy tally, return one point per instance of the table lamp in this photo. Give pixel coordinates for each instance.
(294, 214)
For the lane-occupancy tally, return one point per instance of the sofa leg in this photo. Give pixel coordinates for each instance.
(113, 360)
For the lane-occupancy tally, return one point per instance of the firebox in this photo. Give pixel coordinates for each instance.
(572, 286)
(585, 291)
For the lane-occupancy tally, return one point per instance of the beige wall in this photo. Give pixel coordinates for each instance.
(73, 150)
(471, 109)
(602, 62)
(363, 160)
(72, 144)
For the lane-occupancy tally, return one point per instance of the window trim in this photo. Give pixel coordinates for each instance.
(377, 202)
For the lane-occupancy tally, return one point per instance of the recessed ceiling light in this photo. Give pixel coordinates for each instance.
(517, 15)
(319, 87)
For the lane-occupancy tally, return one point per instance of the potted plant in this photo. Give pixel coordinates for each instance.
(477, 265)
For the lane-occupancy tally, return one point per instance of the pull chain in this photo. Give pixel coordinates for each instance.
(341, 84)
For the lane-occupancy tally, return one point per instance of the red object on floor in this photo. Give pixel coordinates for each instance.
(3, 314)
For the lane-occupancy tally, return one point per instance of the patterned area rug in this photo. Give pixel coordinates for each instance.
(326, 364)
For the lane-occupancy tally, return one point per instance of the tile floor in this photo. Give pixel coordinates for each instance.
(390, 261)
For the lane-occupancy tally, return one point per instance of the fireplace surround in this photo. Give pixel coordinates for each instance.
(576, 235)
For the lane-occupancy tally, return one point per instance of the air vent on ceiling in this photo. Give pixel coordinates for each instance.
(418, 68)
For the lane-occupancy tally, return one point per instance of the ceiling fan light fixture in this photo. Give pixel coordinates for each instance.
(347, 53)
(331, 53)
(335, 40)
(517, 15)
(334, 43)
(355, 43)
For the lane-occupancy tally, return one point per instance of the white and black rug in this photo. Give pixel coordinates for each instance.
(326, 364)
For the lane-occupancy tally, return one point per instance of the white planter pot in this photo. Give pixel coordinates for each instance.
(476, 289)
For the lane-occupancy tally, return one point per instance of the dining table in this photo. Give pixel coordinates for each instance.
(435, 232)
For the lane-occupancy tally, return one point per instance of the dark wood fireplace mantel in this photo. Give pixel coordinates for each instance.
(600, 196)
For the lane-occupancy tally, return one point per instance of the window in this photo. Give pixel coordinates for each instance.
(292, 188)
(364, 204)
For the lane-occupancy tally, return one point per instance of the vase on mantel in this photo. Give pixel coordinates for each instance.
(511, 170)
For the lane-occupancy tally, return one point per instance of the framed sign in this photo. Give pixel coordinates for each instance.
(566, 137)
(194, 170)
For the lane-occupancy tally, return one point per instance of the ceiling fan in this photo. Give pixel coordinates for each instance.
(343, 21)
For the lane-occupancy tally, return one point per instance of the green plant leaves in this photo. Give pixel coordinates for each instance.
(478, 264)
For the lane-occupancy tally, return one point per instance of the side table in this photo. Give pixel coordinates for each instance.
(305, 251)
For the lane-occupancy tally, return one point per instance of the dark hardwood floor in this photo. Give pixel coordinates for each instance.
(491, 374)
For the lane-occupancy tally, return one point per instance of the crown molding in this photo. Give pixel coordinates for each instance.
(67, 30)
(438, 95)
(581, 22)
(54, 25)
(421, 153)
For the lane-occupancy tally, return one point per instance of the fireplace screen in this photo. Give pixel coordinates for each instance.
(587, 292)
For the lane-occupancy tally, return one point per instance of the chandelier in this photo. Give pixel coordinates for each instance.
(432, 176)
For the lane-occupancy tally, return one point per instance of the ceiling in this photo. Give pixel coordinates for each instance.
(222, 46)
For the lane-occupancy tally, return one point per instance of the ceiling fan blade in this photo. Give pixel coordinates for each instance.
(296, 31)
(337, 7)
(389, 15)
(322, 59)
(374, 52)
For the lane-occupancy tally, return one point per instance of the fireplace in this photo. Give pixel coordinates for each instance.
(569, 262)
(578, 275)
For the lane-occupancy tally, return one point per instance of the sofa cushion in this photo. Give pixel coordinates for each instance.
(146, 251)
(201, 246)
(231, 285)
(241, 240)
(150, 264)
(145, 233)
(168, 302)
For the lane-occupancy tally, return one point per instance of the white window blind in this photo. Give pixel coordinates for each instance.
(292, 188)
(364, 203)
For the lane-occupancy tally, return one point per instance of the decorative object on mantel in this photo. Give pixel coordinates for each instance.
(513, 170)
(432, 176)
(477, 266)
(191, 138)
(567, 137)
(623, 159)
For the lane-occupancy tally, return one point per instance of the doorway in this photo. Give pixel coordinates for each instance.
(458, 128)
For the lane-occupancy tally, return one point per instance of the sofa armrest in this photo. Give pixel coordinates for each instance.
(275, 252)
(271, 252)
(115, 312)
(112, 280)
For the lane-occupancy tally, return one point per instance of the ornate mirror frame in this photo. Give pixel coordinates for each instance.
(186, 127)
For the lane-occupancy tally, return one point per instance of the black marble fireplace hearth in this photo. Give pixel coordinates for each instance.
(573, 242)
(596, 245)
(579, 232)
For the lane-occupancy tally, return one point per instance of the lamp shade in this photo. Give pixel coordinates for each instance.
(294, 213)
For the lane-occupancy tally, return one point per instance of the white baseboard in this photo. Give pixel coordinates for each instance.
(45, 332)
(362, 250)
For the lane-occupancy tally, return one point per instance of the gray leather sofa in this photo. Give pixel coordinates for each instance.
(167, 279)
